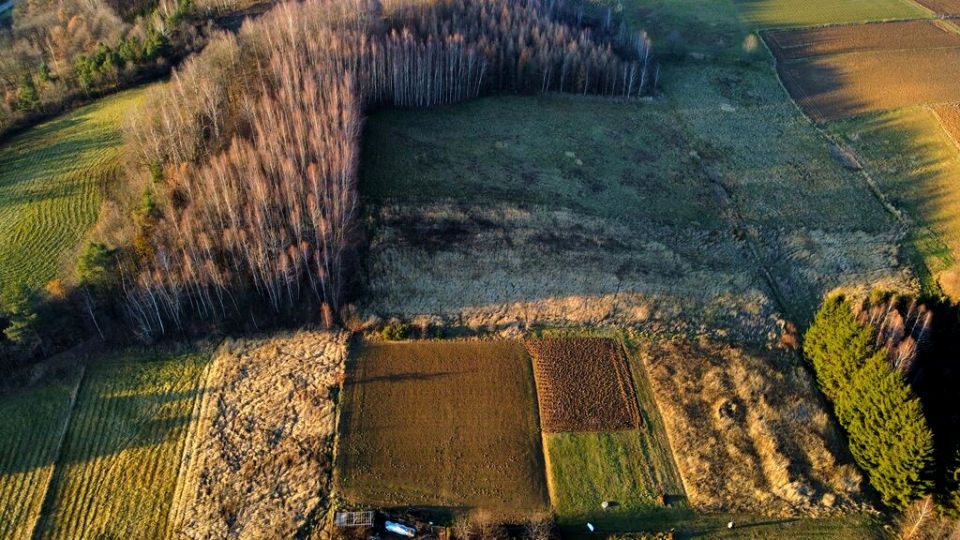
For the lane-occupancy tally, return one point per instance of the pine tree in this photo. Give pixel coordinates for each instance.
(837, 345)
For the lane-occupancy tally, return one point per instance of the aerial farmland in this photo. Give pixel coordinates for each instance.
(480, 269)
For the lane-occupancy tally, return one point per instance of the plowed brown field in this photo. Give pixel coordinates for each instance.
(806, 42)
(448, 424)
(583, 385)
(846, 71)
(942, 7)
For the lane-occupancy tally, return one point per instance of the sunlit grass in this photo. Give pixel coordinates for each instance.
(916, 165)
(51, 186)
(122, 452)
(32, 424)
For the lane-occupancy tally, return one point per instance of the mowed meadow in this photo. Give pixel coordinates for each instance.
(52, 181)
(97, 453)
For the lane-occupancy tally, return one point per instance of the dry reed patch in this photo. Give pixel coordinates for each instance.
(505, 268)
(794, 44)
(748, 431)
(259, 464)
(942, 7)
(843, 85)
(583, 385)
(442, 423)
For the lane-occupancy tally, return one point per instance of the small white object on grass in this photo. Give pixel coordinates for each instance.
(605, 504)
(730, 525)
(590, 526)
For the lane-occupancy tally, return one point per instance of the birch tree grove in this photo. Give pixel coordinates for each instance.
(257, 138)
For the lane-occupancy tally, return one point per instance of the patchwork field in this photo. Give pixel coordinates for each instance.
(749, 432)
(583, 385)
(850, 70)
(442, 424)
(121, 455)
(632, 469)
(32, 425)
(51, 183)
(259, 462)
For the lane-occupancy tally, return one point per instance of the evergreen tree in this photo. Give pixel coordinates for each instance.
(837, 345)
(888, 432)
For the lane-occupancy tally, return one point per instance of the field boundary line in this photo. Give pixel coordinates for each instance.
(47, 501)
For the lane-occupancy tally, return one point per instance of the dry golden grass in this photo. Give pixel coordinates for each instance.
(258, 462)
(506, 268)
(748, 431)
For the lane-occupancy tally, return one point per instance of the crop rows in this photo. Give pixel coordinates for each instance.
(583, 385)
(51, 186)
(122, 451)
(32, 425)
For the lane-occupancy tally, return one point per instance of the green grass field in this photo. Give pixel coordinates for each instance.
(778, 13)
(32, 425)
(51, 186)
(122, 452)
(109, 469)
(586, 469)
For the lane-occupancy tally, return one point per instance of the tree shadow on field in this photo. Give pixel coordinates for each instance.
(107, 423)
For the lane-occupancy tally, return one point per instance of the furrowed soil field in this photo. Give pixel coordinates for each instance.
(749, 431)
(51, 183)
(949, 8)
(258, 464)
(905, 35)
(442, 424)
(32, 425)
(777, 13)
(866, 68)
(583, 385)
(121, 455)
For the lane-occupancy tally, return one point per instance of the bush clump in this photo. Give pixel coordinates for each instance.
(396, 331)
(888, 433)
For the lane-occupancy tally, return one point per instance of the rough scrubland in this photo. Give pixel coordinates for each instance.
(258, 460)
(583, 385)
(445, 424)
(52, 180)
(749, 432)
(566, 213)
(122, 452)
(32, 425)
